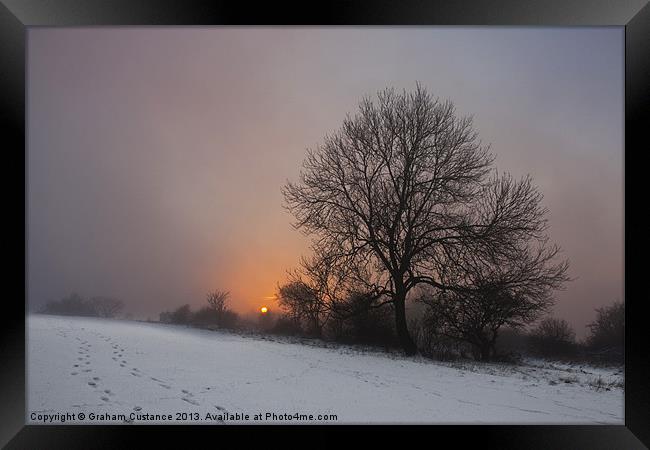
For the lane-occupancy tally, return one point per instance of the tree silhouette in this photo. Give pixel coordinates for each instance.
(311, 293)
(218, 300)
(607, 331)
(402, 192)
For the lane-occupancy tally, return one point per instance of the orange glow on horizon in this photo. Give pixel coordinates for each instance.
(264, 309)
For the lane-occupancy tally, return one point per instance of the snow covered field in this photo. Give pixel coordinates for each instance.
(122, 371)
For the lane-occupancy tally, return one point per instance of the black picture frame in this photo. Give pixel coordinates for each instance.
(18, 15)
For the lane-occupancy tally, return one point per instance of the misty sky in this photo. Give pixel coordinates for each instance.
(156, 155)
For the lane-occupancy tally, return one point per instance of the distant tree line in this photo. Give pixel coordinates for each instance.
(605, 341)
(75, 305)
(216, 313)
(554, 338)
(362, 323)
(319, 301)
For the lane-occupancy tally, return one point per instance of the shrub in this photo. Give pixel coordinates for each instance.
(433, 345)
(553, 338)
(181, 315)
(217, 312)
(360, 322)
(106, 306)
(229, 319)
(286, 325)
(204, 316)
(607, 333)
(75, 305)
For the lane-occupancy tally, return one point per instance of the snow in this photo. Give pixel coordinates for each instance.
(123, 371)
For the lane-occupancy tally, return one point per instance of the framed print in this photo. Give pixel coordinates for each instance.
(358, 214)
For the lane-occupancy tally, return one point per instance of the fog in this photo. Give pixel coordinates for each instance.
(156, 155)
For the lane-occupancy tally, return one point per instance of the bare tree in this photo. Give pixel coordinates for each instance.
(298, 300)
(218, 301)
(311, 292)
(401, 190)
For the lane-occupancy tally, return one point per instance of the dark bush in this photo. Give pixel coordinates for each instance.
(204, 316)
(553, 338)
(359, 322)
(433, 345)
(606, 340)
(106, 306)
(181, 315)
(75, 305)
(228, 319)
(286, 325)
(511, 341)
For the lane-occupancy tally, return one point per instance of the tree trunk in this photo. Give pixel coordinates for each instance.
(401, 327)
(318, 329)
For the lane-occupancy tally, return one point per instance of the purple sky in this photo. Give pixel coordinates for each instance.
(156, 155)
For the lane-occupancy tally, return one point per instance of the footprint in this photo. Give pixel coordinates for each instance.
(105, 399)
(87, 370)
(166, 386)
(96, 378)
(74, 373)
(122, 365)
(92, 383)
(137, 408)
(107, 391)
(190, 401)
(135, 374)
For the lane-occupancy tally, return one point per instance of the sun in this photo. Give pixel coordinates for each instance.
(264, 309)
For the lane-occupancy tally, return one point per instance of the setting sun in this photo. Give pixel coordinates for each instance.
(264, 309)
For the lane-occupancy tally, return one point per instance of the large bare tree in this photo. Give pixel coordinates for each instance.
(401, 190)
